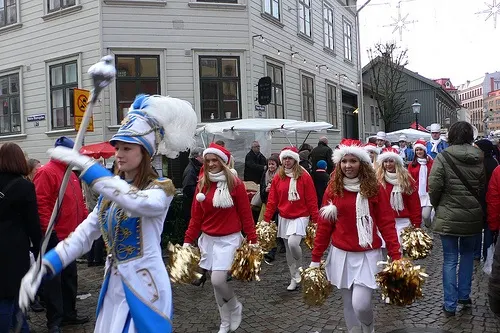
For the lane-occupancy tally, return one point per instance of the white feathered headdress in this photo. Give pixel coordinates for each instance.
(162, 125)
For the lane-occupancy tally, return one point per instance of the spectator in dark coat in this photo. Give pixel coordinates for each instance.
(490, 163)
(255, 164)
(305, 162)
(19, 224)
(190, 179)
(322, 152)
(320, 178)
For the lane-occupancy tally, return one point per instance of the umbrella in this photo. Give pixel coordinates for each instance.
(98, 150)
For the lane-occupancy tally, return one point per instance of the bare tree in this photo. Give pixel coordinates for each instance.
(388, 82)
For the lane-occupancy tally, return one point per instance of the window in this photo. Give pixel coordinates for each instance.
(308, 97)
(272, 7)
(63, 79)
(55, 5)
(305, 17)
(8, 12)
(347, 40)
(373, 115)
(10, 118)
(135, 75)
(377, 116)
(331, 99)
(220, 88)
(275, 108)
(328, 27)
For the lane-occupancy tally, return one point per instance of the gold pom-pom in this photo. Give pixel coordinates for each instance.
(267, 233)
(417, 244)
(400, 281)
(310, 234)
(315, 285)
(246, 263)
(183, 263)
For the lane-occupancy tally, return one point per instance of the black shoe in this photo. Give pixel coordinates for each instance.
(465, 301)
(55, 329)
(77, 320)
(448, 313)
(36, 306)
(269, 257)
(201, 281)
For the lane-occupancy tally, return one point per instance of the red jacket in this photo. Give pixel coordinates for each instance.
(412, 208)
(221, 221)
(73, 211)
(307, 205)
(343, 233)
(414, 171)
(493, 201)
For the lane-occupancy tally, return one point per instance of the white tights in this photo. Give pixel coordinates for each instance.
(222, 290)
(357, 306)
(293, 250)
(426, 215)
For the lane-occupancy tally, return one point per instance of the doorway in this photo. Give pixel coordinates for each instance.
(350, 115)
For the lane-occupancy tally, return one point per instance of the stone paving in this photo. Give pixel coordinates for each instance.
(270, 308)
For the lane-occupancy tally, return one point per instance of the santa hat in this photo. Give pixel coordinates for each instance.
(290, 152)
(381, 135)
(419, 144)
(371, 147)
(350, 147)
(162, 125)
(390, 154)
(220, 151)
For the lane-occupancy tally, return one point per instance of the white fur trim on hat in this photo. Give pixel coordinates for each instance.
(389, 155)
(373, 149)
(419, 145)
(217, 152)
(357, 151)
(289, 153)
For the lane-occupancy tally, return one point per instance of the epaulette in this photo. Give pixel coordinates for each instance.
(165, 184)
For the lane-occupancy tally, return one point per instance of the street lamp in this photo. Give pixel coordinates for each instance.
(416, 110)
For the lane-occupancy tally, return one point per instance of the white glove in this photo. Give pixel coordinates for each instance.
(314, 264)
(71, 157)
(186, 245)
(29, 286)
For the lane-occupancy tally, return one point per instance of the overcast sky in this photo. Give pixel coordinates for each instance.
(447, 39)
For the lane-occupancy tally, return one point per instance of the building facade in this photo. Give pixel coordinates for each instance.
(437, 105)
(472, 95)
(492, 102)
(208, 52)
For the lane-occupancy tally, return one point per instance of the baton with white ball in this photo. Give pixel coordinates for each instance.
(102, 74)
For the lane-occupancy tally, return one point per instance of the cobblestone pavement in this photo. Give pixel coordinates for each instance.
(269, 308)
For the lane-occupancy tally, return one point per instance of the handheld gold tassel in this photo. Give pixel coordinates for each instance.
(183, 263)
(247, 261)
(400, 281)
(266, 233)
(315, 286)
(417, 244)
(310, 234)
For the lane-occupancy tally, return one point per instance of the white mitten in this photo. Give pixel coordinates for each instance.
(29, 286)
(186, 245)
(71, 157)
(314, 264)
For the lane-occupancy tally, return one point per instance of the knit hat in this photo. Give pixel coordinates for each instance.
(64, 142)
(486, 146)
(220, 151)
(353, 147)
(371, 147)
(162, 125)
(390, 154)
(321, 165)
(420, 144)
(290, 152)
